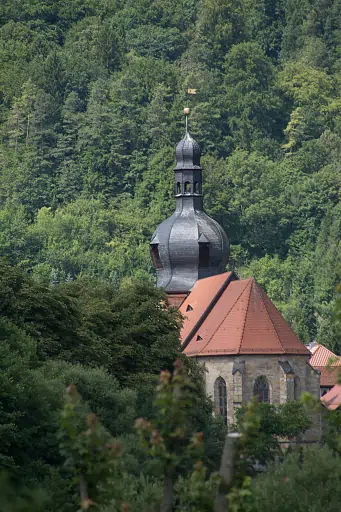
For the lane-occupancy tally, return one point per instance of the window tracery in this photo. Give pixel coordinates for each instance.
(261, 389)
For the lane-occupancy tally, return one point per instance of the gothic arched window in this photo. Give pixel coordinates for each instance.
(196, 188)
(261, 389)
(220, 398)
(178, 187)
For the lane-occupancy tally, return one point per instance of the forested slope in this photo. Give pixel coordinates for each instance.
(92, 93)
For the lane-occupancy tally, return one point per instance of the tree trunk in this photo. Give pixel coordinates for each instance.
(167, 502)
(226, 472)
(83, 489)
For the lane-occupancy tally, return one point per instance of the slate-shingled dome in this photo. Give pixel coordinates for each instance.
(189, 245)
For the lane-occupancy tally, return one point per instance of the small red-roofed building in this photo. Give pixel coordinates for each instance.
(332, 399)
(230, 326)
(328, 364)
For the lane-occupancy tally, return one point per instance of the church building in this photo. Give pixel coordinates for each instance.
(231, 325)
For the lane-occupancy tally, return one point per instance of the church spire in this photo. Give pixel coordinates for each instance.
(189, 245)
(188, 172)
(188, 151)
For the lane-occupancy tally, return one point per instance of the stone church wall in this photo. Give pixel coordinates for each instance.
(283, 386)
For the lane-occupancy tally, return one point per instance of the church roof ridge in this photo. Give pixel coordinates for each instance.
(215, 285)
(248, 302)
(279, 339)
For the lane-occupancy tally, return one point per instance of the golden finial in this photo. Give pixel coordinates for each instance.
(186, 112)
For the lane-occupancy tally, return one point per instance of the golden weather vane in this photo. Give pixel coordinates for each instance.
(186, 109)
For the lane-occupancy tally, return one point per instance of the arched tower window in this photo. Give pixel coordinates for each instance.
(220, 398)
(187, 188)
(196, 187)
(261, 389)
(154, 251)
(178, 187)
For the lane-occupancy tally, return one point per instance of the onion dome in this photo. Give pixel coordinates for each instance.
(187, 153)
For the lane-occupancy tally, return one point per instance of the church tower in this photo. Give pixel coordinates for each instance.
(189, 245)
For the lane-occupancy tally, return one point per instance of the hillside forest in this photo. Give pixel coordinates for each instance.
(92, 94)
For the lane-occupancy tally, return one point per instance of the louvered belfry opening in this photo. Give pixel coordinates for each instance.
(204, 256)
(187, 187)
(154, 251)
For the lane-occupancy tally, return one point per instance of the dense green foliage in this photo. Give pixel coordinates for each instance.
(275, 423)
(182, 481)
(89, 450)
(91, 94)
(310, 482)
(110, 342)
(128, 330)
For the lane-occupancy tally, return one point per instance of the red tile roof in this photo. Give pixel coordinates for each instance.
(234, 317)
(322, 356)
(332, 399)
(327, 363)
